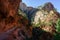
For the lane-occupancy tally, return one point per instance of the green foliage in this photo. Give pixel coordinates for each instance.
(22, 13)
(58, 25)
(36, 25)
(57, 36)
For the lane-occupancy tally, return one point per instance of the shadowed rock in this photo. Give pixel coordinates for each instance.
(48, 6)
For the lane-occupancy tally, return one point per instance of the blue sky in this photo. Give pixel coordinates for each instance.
(36, 3)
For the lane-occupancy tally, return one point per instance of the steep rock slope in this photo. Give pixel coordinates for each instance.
(14, 22)
(43, 20)
(46, 17)
(10, 21)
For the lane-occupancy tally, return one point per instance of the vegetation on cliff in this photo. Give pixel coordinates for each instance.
(28, 23)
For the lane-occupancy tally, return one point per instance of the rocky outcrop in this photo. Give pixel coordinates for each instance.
(48, 6)
(8, 11)
(28, 11)
(46, 17)
(23, 6)
(11, 21)
(26, 23)
(9, 5)
(43, 17)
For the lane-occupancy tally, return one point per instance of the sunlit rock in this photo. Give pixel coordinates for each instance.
(46, 17)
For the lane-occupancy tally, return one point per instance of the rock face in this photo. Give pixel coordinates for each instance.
(10, 21)
(13, 25)
(28, 11)
(8, 10)
(14, 22)
(23, 6)
(46, 16)
(43, 18)
(10, 5)
(48, 6)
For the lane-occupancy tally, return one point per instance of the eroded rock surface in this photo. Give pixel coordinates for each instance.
(14, 22)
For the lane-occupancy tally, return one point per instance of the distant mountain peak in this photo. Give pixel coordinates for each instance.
(48, 6)
(23, 6)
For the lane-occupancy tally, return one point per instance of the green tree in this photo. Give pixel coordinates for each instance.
(58, 25)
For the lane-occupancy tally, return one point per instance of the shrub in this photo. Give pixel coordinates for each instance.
(58, 25)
